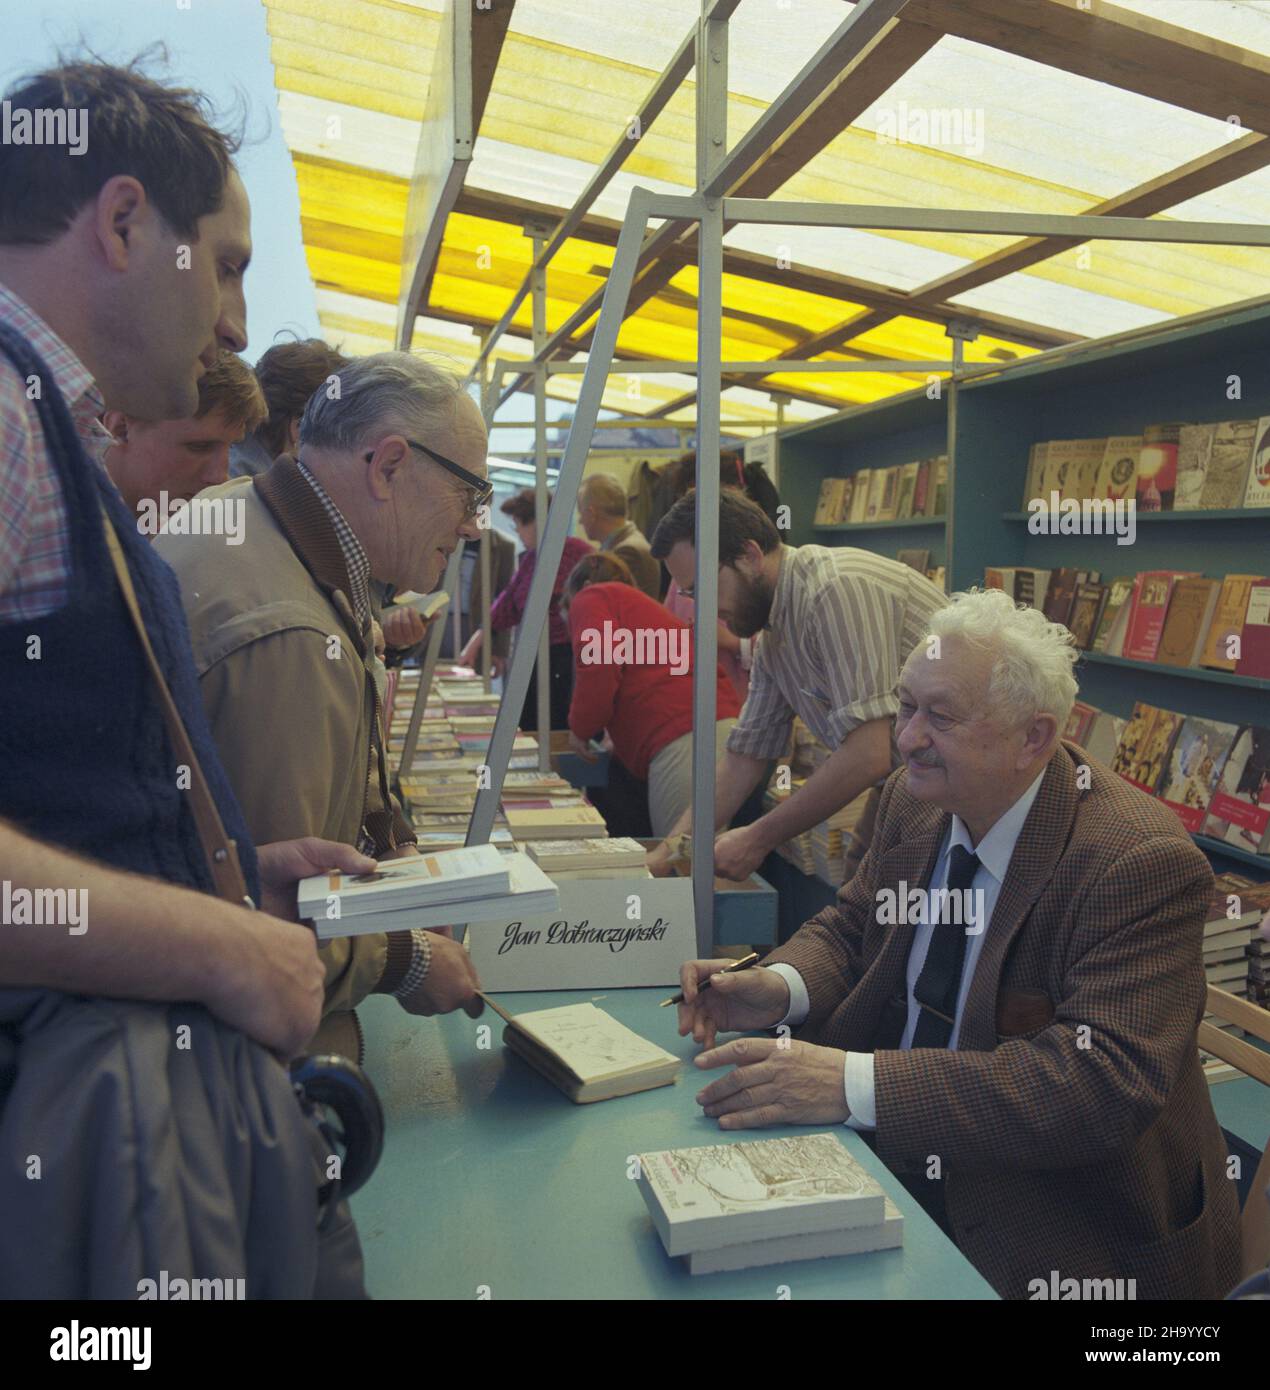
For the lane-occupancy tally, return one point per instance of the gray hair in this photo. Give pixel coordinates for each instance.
(386, 393)
(1032, 657)
(605, 493)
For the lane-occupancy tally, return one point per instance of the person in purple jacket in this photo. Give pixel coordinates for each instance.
(509, 607)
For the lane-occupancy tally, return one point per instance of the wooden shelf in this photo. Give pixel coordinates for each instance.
(1237, 514)
(1184, 672)
(1212, 846)
(884, 525)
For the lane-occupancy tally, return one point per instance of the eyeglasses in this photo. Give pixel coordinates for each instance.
(481, 489)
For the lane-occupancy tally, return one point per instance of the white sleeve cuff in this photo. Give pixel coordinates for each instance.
(799, 1002)
(857, 1080)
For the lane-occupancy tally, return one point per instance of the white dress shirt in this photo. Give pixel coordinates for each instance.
(994, 851)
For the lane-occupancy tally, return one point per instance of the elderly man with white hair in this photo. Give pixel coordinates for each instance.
(1005, 998)
(387, 480)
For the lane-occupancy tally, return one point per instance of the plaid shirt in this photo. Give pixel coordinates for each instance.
(355, 558)
(34, 531)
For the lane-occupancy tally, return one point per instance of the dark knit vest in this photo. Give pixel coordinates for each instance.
(85, 760)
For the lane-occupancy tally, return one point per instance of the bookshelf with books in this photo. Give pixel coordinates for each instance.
(1211, 374)
(859, 447)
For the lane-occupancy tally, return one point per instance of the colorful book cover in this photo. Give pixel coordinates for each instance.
(1257, 493)
(1059, 594)
(1239, 812)
(1142, 753)
(1228, 465)
(890, 494)
(1079, 722)
(1194, 445)
(907, 486)
(1187, 622)
(1146, 622)
(1157, 468)
(1118, 470)
(1195, 764)
(1086, 610)
(1118, 594)
(1254, 641)
(1228, 622)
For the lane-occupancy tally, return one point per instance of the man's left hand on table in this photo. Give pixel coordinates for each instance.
(775, 1081)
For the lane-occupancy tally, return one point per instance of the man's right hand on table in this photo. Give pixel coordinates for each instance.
(754, 998)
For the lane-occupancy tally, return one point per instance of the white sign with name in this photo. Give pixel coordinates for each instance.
(607, 934)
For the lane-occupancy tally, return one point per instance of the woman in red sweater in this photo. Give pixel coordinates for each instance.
(632, 675)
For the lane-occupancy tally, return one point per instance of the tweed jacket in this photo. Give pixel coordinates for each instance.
(1073, 1124)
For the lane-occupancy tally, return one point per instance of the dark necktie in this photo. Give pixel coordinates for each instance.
(939, 983)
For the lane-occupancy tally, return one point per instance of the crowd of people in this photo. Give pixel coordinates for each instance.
(194, 721)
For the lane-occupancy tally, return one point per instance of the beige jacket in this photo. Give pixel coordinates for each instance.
(287, 682)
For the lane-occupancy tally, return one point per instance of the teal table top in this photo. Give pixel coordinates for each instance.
(493, 1184)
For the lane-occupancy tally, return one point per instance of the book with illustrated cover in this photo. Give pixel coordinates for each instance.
(828, 501)
(877, 489)
(1146, 620)
(1119, 592)
(1030, 586)
(1142, 753)
(890, 494)
(860, 493)
(1035, 474)
(1082, 473)
(907, 487)
(1195, 764)
(1187, 622)
(921, 487)
(1257, 492)
(1079, 722)
(1227, 622)
(1087, 608)
(937, 489)
(723, 1195)
(1194, 445)
(1226, 480)
(1254, 640)
(1157, 468)
(1118, 469)
(1057, 473)
(587, 1053)
(1059, 595)
(1239, 812)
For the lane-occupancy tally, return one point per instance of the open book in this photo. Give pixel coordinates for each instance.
(587, 1053)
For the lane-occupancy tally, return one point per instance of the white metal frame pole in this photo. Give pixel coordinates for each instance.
(538, 288)
(487, 540)
(712, 130)
(560, 513)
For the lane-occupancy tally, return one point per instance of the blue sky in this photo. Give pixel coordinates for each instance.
(220, 47)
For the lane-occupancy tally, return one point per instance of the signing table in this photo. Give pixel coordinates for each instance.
(493, 1184)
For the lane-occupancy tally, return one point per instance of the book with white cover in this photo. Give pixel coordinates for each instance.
(731, 1194)
(529, 892)
(416, 880)
(855, 1240)
(426, 605)
(587, 854)
(587, 1053)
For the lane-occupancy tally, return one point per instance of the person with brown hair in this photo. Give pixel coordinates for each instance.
(632, 678)
(176, 459)
(121, 277)
(509, 607)
(288, 374)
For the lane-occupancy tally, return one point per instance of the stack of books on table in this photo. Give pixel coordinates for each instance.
(427, 890)
(765, 1201)
(567, 860)
(558, 823)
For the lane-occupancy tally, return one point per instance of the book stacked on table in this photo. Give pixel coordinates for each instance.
(765, 1201)
(567, 860)
(558, 823)
(587, 1053)
(427, 890)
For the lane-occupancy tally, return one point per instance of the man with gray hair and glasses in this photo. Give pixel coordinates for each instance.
(388, 478)
(1006, 997)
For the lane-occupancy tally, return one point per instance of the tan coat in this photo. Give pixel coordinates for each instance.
(1073, 1122)
(292, 721)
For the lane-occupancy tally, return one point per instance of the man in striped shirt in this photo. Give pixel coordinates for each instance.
(838, 625)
